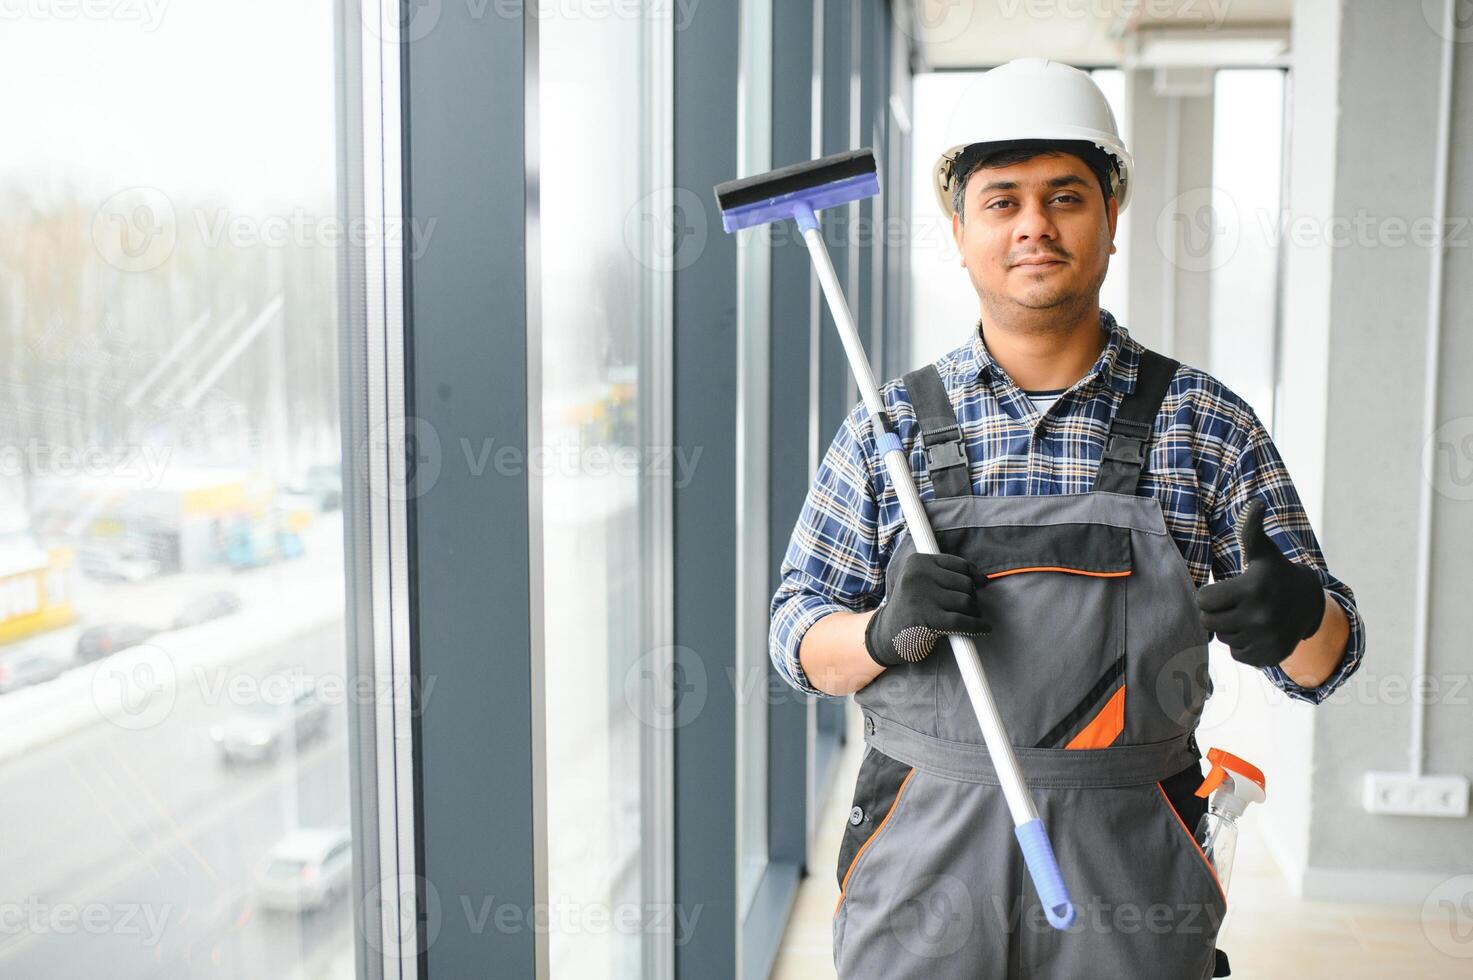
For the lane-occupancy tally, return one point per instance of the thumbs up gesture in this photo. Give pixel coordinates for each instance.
(1263, 613)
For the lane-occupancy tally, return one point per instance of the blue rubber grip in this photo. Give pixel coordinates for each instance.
(1045, 871)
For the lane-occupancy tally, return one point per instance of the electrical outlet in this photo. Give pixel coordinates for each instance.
(1415, 796)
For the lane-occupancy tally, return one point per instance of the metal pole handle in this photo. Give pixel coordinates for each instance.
(1032, 838)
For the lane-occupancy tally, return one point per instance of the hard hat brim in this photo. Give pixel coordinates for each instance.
(1106, 142)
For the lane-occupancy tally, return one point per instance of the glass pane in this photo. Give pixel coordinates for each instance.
(601, 287)
(1247, 161)
(1115, 290)
(943, 303)
(754, 301)
(171, 562)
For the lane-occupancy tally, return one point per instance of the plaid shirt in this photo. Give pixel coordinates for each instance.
(1209, 455)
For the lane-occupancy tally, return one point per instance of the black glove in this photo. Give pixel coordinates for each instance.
(932, 595)
(1263, 613)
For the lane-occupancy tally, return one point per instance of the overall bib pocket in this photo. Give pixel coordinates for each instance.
(1184, 810)
(877, 794)
(1148, 904)
(1056, 599)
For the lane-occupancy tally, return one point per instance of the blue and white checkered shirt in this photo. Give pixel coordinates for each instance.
(1209, 455)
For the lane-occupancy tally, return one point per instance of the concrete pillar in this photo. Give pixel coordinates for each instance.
(1360, 261)
(1169, 134)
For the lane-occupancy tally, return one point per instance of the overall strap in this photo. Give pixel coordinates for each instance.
(946, 453)
(1130, 429)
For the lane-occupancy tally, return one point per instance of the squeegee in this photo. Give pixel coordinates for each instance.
(797, 192)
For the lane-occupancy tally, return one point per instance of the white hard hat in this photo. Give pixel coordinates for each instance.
(1032, 99)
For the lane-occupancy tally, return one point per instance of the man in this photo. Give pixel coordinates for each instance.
(1081, 488)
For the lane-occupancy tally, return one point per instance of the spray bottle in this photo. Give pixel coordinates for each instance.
(1237, 783)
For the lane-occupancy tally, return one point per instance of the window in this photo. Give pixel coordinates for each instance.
(610, 232)
(171, 522)
(1247, 167)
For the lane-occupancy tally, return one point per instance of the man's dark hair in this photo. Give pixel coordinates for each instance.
(1005, 154)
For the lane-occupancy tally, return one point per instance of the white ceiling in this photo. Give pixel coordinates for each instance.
(984, 33)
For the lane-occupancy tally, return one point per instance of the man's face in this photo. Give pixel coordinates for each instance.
(1037, 235)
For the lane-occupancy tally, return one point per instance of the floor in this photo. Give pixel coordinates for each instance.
(1268, 933)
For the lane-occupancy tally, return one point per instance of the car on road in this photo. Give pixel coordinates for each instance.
(105, 639)
(308, 869)
(260, 729)
(205, 607)
(22, 668)
(322, 484)
(114, 566)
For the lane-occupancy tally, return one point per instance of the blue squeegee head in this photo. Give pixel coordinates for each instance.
(798, 189)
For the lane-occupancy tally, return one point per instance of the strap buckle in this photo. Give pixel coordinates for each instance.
(1127, 441)
(945, 455)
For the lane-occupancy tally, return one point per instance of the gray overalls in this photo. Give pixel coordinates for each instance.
(1098, 662)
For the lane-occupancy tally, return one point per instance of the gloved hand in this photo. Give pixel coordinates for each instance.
(933, 595)
(1263, 613)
